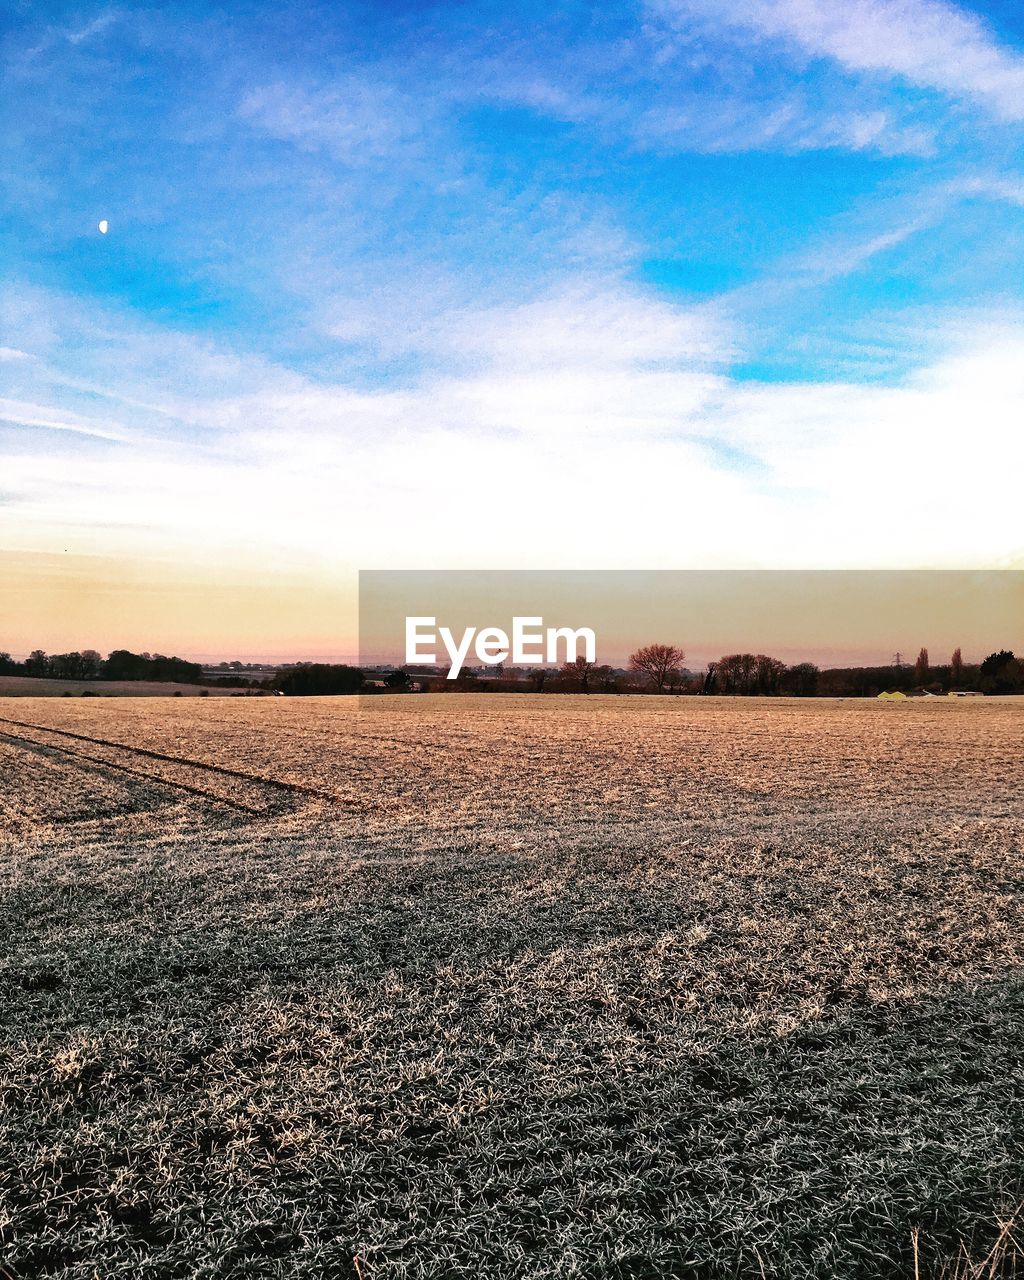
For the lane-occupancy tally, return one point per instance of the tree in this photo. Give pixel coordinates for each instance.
(7, 665)
(1001, 673)
(75, 666)
(605, 678)
(122, 664)
(729, 671)
(65, 666)
(311, 678)
(768, 674)
(956, 668)
(580, 672)
(657, 662)
(749, 674)
(921, 667)
(802, 680)
(36, 663)
(179, 669)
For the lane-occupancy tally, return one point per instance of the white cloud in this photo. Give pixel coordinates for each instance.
(930, 43)
(679, 101)
(837, 258)
(77, 35)
(787, 123)
(572, 451)
(595, 325)
(20, 413)
(1008, 188)
(357, 120)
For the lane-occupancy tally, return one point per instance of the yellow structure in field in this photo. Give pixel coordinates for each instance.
(895, 696)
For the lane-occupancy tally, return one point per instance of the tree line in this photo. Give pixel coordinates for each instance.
(653, 668)
(87, 664)
(759, 675)
(658, 668)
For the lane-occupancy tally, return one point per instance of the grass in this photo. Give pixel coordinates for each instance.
(1004, 1256)
(553, 987)
(33, 687)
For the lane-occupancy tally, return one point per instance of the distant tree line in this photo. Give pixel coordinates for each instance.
(312, 678)
(121, 664)
(1000, 672)
(653, 668)
(299, 678)
(658, 668)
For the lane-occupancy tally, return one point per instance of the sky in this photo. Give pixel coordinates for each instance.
(665, 284)
(832, 617)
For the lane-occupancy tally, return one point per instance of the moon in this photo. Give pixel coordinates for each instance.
(104, 227)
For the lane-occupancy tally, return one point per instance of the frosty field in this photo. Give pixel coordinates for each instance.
(509, 986)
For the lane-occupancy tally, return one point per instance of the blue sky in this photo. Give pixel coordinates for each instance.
(687, 287)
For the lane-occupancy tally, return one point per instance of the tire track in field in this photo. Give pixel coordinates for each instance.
(155, 778)
(282, 784)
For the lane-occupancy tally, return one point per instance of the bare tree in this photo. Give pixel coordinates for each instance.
(605, 676)
(921, 667)
(748, 674)
(580, 672)
(802, 680)
(956, 668)
(730, 672)
(36, 663)
(658, 662)
(769, 673)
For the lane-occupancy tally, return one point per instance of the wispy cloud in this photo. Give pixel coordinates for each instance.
(591, 324)
(1004, 187)
(652, 448)
(681, 99)
(789, 124)
(21, 414)
(76, 35)
(928, 43)
(358, 119)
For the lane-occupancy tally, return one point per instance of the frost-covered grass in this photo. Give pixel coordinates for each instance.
(553, 987)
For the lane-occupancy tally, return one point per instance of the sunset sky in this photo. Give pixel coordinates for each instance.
(560, 285)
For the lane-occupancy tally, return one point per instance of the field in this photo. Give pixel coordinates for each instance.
(33, 687)
(510, 987)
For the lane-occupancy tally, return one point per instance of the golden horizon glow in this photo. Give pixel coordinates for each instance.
(205, 611)
(199, 612)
